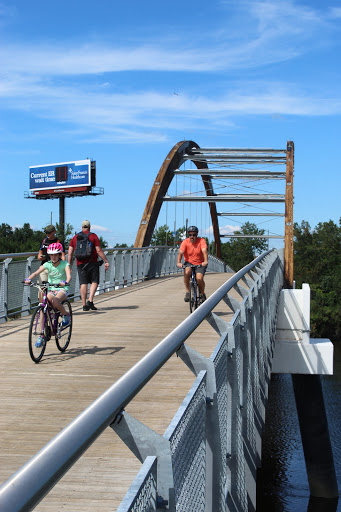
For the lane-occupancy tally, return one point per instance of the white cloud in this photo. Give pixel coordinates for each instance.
(146, 115)
(49, 80)
(266, 32)
(102, 229)
(223, 230)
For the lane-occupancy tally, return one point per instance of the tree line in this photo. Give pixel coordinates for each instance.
(317, 260)
(26, 239)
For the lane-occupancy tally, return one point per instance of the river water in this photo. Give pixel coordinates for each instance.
(282, 481)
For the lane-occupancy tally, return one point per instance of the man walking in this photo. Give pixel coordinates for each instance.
(86, 248)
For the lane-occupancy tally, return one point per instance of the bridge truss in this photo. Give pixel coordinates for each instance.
(243, 172)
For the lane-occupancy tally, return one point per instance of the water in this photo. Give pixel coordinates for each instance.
(282, 483)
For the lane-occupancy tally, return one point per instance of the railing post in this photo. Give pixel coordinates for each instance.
(144, 442)
(5, 287)
(27, 289)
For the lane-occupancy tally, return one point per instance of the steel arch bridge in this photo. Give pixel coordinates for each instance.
(225, 163)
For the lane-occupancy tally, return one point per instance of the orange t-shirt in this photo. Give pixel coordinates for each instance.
(193, 252)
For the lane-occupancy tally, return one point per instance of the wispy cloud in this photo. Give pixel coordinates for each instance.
(228, 229)
(48, 80)
(101, 229)
(147, 115)
(258, 33)
(266, 36)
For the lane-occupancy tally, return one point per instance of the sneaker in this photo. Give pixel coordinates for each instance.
(86, 308)
(66, 320)
(91, 305)
(40, 341)
(186, 299)
(203, 298)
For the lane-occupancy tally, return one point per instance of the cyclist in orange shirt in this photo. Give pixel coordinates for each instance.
(194, 251)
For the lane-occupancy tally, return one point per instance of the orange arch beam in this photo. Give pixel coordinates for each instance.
(173, 161)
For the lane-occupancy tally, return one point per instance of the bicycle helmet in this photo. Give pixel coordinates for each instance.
(55, 248)
(193, 229)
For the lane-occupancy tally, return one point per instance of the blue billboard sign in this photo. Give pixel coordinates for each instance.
(60, 176)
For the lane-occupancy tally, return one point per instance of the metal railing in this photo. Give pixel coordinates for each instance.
(126, 267)
(207, 458)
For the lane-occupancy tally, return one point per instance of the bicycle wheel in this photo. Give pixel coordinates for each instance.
(63, 334)
(36, 353)
(193, 292)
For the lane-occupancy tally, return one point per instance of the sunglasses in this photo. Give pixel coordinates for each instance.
(192, 234)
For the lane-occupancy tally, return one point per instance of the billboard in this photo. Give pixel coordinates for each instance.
(63, 177)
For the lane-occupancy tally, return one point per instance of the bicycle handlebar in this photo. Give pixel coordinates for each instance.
(44, 284)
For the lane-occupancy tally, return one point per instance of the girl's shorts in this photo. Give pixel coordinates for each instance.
(55, 292)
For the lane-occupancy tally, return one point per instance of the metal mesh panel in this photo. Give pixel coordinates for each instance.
(249, 431)
(16, 274)
(138, 266)
(119, 268)
(74, 281)
(141, 495)
(187, 439)
(2, 291)
(34, 291)
(238, 484)
(220, 364)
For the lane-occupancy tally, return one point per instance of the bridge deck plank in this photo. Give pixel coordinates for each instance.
(37, 401)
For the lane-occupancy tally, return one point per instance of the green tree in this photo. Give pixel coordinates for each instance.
(19, 239)
(317, 261)
(102, 242)
(164, 236)
(69, 232)
(238, 252)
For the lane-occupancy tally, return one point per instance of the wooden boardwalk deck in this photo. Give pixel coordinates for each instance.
(37, 401)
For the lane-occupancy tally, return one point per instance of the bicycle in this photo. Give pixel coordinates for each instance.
(48, 325)
(195, 297)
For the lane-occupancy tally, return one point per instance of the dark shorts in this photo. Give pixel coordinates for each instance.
(199, 270)
(88, 273)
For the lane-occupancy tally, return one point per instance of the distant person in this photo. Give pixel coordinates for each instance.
(194, 251)
(86, 248)
(43, 256)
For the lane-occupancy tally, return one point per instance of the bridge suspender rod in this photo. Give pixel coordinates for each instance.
(236, 173)
(250, 214)
(254, 198)
(236, 159)
(237, 150)
(252, 236)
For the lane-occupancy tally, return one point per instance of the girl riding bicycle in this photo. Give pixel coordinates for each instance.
(59, 273)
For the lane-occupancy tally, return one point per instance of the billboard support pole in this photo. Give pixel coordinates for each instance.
(62, 218)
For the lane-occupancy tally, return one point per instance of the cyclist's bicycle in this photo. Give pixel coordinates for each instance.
(195, 298)
(47, 322)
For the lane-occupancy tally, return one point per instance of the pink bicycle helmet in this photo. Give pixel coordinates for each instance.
(55, 248)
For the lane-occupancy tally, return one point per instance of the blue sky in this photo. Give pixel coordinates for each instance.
(122, 83)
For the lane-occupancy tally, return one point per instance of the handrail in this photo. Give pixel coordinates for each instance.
(106, 249)
(27, 487)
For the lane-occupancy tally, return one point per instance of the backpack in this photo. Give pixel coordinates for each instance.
(84, 246)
